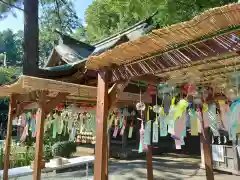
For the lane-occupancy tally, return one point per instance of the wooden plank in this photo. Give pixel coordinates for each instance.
(54, 102)
(12, 106)
(36, 84)
(125, 96)
(101, 124)
(39, 138)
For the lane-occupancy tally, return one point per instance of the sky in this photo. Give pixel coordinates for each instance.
(16, 23)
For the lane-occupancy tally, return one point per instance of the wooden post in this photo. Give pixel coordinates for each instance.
(149, 164)
(235, 156)
(100, 172)
(39, 138)
(107, 157)
(207, 151)
(149, 155)
(8, 142)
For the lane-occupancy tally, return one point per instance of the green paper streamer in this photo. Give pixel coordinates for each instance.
(140, 149)
(163, 126)
(212, 115)
(54, 128)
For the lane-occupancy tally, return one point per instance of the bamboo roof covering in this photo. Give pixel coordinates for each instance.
(211, 72)
(26, 84)
(76, 93)
(162, 40)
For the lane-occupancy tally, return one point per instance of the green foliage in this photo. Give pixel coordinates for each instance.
(55, 14)
(7, 74)
(64, 149)
(106, 17)
(12, 43)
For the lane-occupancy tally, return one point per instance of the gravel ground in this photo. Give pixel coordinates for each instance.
(165, 168)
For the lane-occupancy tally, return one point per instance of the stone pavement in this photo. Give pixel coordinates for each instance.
(165, 168)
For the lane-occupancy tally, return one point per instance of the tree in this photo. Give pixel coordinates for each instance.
(55, 14)
(12, 45)
(105, 17)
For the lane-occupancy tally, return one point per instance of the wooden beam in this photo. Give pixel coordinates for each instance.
(30, 97)
(149, 79)
(100, 163)
(54, 102)
(39, 138)
(115, 90)
(21, 107)
(12, 106)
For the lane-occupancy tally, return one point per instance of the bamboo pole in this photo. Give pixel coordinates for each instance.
(39, 138)
(12, 106)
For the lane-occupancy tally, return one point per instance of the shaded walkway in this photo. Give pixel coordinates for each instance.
(165, 168)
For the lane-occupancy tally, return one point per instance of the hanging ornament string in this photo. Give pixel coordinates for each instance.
(156, 120)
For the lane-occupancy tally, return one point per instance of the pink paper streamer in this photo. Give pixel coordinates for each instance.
(180, 125)
(206, 119)
(115, 132)
(122, 130)
(178, 144)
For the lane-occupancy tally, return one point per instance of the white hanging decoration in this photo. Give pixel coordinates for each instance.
(225, 139)
(133, 113)
(157, 109)
(125, 112)
(140, 106)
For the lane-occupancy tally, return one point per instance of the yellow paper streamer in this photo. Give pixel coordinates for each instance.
(173, 101)
(111, 120)
(148, 112)
(180, 108)
(221, 102)
(194, 126)
(238, 129)
(205, 107)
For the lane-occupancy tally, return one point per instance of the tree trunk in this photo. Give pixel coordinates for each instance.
(31, 38)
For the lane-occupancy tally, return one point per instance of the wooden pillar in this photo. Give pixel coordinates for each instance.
(100, 170)
(8, 142)
(39, 138)
(207, 151)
